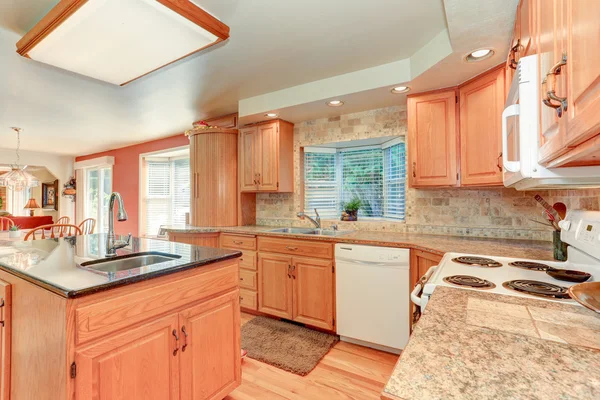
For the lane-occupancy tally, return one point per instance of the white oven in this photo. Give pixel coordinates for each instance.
(521, 138)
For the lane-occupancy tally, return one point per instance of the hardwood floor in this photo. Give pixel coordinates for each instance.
(347, 372)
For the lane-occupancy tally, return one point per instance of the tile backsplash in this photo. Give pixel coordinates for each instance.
(491, 212)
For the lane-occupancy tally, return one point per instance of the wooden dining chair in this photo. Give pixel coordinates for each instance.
(53, 231)
(6, 223)
(87, 226)
(63, 221)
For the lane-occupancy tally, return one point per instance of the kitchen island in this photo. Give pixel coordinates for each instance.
(475, 345)
(76, 328)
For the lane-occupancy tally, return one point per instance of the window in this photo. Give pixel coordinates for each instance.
(18, 199)
(375, 174)
(98, 187)
(167, 192)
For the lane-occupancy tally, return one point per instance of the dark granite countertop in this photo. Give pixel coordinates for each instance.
(55, 263)
(438, 244)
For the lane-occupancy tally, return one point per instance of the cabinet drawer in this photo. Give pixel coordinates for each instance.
(248, 299)
(248, 260)
(238, 242)
(296, 247)
(248, 279)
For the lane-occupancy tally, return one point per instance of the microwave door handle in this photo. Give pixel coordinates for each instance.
(510, 111)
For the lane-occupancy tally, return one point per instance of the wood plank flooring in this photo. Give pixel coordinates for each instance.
(347, 372)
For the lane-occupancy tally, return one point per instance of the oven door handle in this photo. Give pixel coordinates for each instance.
(510, 111)
(414, 295)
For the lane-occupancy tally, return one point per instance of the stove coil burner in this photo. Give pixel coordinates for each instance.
(469, 281)
(540, 289)
(532, 266)
(477, 261)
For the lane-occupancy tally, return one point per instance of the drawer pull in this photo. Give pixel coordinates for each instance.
(176, 342)
(241, 259)
(291, 248)
(241, 298)
(238, 242)
(185, 334)
(241, 279)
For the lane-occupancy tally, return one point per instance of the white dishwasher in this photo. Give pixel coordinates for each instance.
(372, 296)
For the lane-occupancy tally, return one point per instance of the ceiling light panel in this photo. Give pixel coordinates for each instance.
(119, 41)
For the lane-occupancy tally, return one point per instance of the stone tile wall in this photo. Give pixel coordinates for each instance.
(494, 212)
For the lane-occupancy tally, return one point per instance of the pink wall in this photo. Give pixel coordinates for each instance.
(126, 175)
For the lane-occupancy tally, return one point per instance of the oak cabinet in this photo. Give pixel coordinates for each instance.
(5, 335)
(420, 262)
(248, 267)
(139, 363)
(208, 239)
(297, 288)
(481, 104)
(266, 157)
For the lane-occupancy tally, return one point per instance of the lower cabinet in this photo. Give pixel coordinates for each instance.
(206, 239)
(5, 332)
(420, 262)
(296, 288)
(192, 354)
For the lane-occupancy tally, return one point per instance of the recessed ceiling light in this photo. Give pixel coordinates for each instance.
(400, 89)
(479, 55)
(335, 103)
(271, 115)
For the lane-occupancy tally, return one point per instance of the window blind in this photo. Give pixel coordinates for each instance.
(395, 181)
(362, 177)
(321, 185)
(181, 190)
(158, 193)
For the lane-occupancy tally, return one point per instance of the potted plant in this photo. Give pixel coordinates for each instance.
(351, 208)
(14, 232)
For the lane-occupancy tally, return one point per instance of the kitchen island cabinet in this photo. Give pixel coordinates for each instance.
(167, 331)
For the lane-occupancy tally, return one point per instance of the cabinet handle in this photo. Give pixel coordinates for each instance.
(241, 279)
(551, 94)
(176, 342)
(289, 271)
(414, 169)
(185, 337)
(293, 272)
(515, 49)
(547, 101)
(498, 160)
(291, 248)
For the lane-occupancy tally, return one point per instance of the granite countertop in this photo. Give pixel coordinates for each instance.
(476, 345)
(55, 263)
(439, 244)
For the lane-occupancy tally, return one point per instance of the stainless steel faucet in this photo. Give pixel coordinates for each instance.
(316, 221)
(111, 244)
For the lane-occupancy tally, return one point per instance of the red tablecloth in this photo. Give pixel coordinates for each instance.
(31, 222)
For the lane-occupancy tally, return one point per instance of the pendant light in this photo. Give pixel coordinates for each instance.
(17, 178)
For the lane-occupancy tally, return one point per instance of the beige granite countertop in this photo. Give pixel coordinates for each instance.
(474, 345)
(438, 244)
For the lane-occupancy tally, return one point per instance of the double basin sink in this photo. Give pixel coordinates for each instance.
(310, 231)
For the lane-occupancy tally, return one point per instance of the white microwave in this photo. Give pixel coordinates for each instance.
(521, 139)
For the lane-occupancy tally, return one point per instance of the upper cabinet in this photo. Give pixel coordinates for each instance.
(432, 139)
(568, 34)
(481, 103)
(266, 157)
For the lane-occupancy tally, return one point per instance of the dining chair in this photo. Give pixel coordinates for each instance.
(63, 221)
(87, 226)
(53, 231)
(6, 223)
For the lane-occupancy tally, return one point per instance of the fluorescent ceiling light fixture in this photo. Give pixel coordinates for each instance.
(335, 103)
(400, 89)
(120, 41)
(479, 55)
(271, 115)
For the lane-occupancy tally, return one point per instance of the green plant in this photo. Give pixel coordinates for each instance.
(14, 228)
(353, 205)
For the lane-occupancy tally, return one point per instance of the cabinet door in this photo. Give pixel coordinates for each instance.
(275, 286)
(481, 105)
(210, 348)
(420, 262)
(313, 291)
(269, 161)
(5, 331)
(583, 70)
(432, 136)
(525, 27)
(137, 364)
(249, 155)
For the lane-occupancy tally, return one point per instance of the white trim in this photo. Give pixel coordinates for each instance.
(107, 161)
(392, 142)
(326, 150)
(157, 153)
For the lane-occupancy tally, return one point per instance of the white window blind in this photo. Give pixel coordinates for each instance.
(167, 193)
(321, 185)
(376, 175)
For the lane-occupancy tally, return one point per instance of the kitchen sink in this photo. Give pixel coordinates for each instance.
(310, 231)
(129, 261)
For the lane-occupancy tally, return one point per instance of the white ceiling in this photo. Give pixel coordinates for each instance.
(275, 45)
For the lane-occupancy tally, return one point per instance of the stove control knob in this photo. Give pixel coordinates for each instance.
(564, 225)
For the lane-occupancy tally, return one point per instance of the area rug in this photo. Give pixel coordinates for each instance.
(287, 346)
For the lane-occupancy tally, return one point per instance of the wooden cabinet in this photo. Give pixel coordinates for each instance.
(248, 267)
(138, 363)
(210, 361)
(275, 286)
(266, 157)
(432, 139)
(296, 288)
(208, 239)
(481, 104)
(5, 335)
(420, 262)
